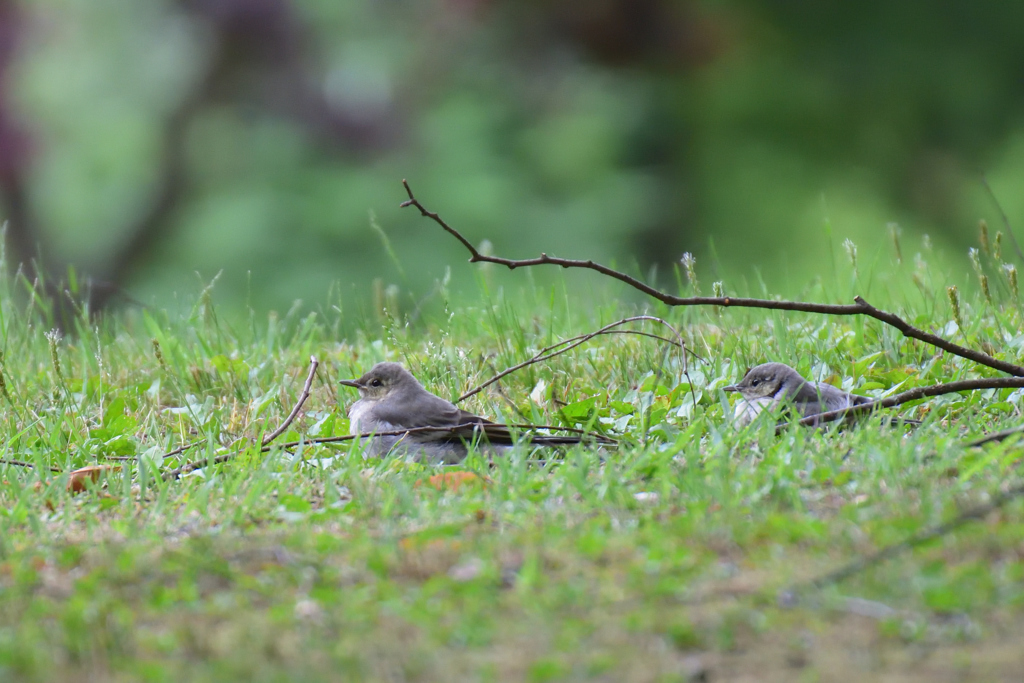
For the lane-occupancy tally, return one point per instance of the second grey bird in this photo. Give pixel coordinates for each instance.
(775, 386)
(392, 400)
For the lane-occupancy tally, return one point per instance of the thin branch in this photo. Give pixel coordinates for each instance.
(265, 442)
(192, 466)
(641, 333)
(169, 454)
(594, 435)
(22, 463)
(601, 438)
(549, 352)
(920, 538)
(181, 449)
(995, 437)
(910, 395)
(313, 365)
(909, 330)
(859, 307)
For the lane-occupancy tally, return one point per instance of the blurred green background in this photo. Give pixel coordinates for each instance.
(146, 142)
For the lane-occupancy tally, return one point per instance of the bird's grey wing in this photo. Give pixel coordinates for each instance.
(427, 410)
(473, 425)
(420, 410)
(837, 399)
(812, 397)
(826, 398)
(469, 418)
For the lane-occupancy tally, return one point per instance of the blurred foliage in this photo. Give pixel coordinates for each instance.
(753, 134)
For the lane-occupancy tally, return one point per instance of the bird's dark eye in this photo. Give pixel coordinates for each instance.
(375, 382)
(754, 382)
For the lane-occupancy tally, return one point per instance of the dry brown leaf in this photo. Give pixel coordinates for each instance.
(79, 479)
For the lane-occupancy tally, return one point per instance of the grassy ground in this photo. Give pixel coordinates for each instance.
(662, 560)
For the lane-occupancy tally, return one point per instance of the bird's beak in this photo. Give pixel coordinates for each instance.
(350, 383)
(731, 387)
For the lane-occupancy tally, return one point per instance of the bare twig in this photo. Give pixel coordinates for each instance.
(265, 442)
(641, 333)
(909, 330)
(181, 449)
(169, 454)
(920, 538)
(600, 438)
(192, 466)
(22, 463)
(565, 345)
(313, 365)
(859, 307)
(910, 395)
(995, 437)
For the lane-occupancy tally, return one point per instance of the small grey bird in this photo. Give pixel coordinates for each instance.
(775, 386)
(391, 399)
